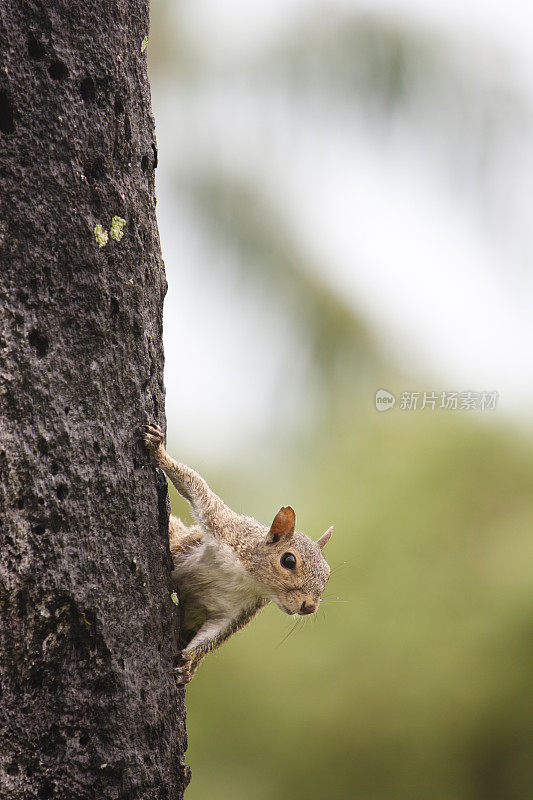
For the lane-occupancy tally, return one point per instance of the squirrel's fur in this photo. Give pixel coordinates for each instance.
(229, 566)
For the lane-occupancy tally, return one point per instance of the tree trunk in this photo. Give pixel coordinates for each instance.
(88, 705)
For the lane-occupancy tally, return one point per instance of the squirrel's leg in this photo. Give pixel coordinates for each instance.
(211, 635)
(205, 503)
(182, 538)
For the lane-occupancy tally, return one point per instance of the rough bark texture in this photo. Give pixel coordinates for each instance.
(88, 705)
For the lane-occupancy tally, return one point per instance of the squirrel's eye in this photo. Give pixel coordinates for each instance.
(288, 561)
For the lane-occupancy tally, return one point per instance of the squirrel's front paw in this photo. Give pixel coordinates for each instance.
(183, 675)
(153, 436)
(182, 670)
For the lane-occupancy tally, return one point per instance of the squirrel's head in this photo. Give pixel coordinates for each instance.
(293, 569)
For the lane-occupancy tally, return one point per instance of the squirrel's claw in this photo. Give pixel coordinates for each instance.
(182, 671)
(151, 430)
(182, 674)
(152, 435)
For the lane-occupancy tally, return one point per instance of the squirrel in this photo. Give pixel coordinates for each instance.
(229, 566)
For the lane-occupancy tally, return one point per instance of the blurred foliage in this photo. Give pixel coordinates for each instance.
(170, 47)
(383, 58)
(237, 214)
(415, 678)
(368, 55)
(459, 96)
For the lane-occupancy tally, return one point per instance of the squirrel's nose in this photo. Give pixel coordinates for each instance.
(308, 608)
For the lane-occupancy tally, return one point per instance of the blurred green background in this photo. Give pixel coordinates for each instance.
(415, 678)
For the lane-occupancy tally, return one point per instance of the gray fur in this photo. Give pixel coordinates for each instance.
(227, 566)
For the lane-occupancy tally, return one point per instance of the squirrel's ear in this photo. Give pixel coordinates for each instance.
(283, 525)
(324, 539)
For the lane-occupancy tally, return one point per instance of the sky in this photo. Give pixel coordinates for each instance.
(443, 277)
(237, 24)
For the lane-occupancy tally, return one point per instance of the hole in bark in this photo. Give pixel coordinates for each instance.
(96, 447)
(88, 90)
(133, 517)
(39, 529)
(133, 565)
(135, 464)
(39, 342)
(62, 491)
(115, 306)
(46, 790)
(144, 164)
(33, 286)
(36, 681)
(20, 503)
(95, 170)
(84, 740)
(105, 683)
(119, 107)
(143, 695)
(42, 446)
(67, 410)
(58, 70)
(96, 200)
(12, 769)
(35, 49)
(127, 128)
(7, 123)
(55, 522)
(156, 158)
(156, 407)
(22, 297)
(54, 469)
(23, 600)
(40, 500)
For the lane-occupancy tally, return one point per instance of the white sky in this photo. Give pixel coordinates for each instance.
(236, 24)
(409, 249)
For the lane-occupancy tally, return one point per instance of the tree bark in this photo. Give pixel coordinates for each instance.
(88, 705)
